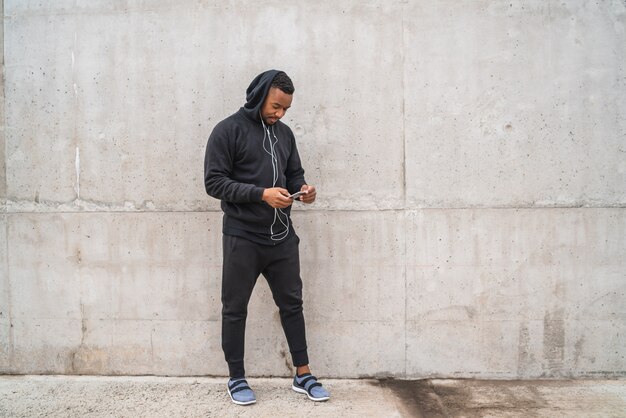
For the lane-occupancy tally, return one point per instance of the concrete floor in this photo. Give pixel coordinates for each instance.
(93, 396)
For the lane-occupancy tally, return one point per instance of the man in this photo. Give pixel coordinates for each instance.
(252, 165)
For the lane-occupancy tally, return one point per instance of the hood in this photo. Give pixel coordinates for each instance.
(256, 92)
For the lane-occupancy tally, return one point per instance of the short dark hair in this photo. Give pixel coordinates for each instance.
(283, 82)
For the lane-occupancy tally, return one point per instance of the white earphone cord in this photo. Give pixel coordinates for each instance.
(279, 236)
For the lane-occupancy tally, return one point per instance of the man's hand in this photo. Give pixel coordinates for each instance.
(276, 197)
(309, 196)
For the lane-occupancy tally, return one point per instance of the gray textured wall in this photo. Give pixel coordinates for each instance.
(470, 158)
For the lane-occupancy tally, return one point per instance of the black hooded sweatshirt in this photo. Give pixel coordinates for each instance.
(244, 157)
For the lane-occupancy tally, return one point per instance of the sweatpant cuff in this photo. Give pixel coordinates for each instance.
(236, 370)
(300, 358)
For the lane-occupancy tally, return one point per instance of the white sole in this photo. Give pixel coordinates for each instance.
(300, 390)
(239, 402)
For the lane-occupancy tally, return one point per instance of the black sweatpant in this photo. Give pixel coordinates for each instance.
(244, 261)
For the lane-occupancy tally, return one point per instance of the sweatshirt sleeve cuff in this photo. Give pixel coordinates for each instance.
(257, 194)
(299, 187)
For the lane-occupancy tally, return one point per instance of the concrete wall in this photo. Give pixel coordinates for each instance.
(470, 158)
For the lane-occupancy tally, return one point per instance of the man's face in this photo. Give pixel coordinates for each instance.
(275, 105)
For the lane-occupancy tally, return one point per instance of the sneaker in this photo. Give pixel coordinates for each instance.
(308, 384)
(240, 392)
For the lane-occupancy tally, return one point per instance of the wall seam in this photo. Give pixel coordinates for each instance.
(404, 165)
(323, 210)
(5, 213)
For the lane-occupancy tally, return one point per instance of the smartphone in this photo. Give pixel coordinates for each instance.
(296, 195)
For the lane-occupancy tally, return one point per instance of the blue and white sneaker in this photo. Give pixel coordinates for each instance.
(308, 384)
(240, 392)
